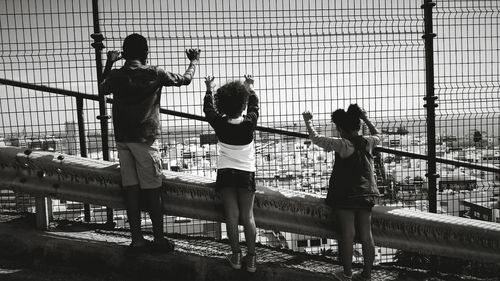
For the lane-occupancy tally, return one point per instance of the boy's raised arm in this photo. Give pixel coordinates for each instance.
(113, 56)
(173, 79)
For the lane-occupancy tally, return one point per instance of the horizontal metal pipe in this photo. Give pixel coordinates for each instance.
(46, 89)
(98, 182)
(259, 128)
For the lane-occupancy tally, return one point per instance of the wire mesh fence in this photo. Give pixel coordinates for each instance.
(468, 117)
(305, 55)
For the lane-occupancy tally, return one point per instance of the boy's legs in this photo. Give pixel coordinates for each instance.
(345, 219)
(231, 210)
(149, 171)
(132, 194)
(153, 205)
(245, 202)
(130, 183)
(364, 230)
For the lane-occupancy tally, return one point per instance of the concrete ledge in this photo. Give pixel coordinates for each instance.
(46, 174)
(87, 254)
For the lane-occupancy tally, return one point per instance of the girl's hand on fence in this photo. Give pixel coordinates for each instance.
(364, 114)
(306, 115)
(114, 56)
(209, 82)
(193, 54)
(249, 79)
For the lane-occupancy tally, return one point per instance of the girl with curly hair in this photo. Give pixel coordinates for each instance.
(236, 162)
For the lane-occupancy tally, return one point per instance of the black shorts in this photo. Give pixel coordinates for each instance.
(365, 203)
(233, 178)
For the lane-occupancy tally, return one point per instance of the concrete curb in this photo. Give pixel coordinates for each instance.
(90, 255)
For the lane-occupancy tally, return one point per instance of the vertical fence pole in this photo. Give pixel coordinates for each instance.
(103, 116)
(43, 210)
(430, 104)
(83, 146)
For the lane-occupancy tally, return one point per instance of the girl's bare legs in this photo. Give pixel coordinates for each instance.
(364, 229)
(245, 202)
(345, 219)
(231, 209)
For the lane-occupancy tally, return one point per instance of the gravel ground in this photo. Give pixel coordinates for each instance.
(27, 269)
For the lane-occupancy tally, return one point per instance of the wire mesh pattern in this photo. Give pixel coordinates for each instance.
(467, 64)
(315, 55)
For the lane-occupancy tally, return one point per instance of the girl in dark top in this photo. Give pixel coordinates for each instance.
(352, 190)
(236, 161)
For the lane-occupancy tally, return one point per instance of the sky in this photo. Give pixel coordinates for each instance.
(305, 55)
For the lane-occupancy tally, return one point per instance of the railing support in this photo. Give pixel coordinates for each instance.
(83, 146)
(430, 104)
(42, 212)
(103, 116)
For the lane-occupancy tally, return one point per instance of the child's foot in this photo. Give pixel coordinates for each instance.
(250, 262)
(234, 260)
(361, 276)
(163, 245)
(340, 275)
(138, 246)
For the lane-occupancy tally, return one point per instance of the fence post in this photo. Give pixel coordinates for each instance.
(43, 210)
(103, 116)
(430, 104)
(83, 146)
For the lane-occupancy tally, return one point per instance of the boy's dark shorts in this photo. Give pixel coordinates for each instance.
(233, 178)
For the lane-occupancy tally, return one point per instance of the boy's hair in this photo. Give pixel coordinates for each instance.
(135, 46)
(231, 99)
(348, 121)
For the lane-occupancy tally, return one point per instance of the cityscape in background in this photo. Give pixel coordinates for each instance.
(294, 163)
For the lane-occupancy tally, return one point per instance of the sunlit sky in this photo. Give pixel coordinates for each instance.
(314, 55)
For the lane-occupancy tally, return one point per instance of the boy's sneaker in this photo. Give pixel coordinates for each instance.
(250, 263)
(163, 245)
(234, 260)
(340, 276)
(359, 276)
(138, 247)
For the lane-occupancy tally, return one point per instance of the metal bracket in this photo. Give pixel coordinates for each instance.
(432, 99)
(98, 38)
(428, 5)
(429, 35)
(101, 117)
(432, 175)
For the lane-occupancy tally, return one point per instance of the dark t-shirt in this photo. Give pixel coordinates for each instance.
(136, 92)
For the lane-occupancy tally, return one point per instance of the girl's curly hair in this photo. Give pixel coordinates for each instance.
(231, 99)
(348, 121)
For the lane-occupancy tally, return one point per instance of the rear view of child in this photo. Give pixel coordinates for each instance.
(136, 89)
(236, 162)
(352, 190)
